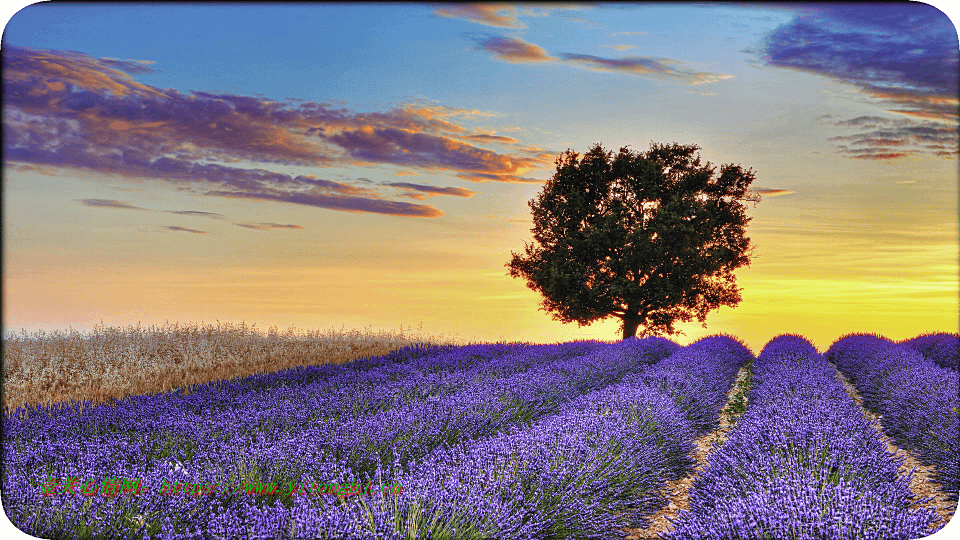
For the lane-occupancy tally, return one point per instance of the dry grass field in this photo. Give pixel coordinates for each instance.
(114, 362)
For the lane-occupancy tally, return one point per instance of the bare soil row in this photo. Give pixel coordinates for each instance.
(678, 491)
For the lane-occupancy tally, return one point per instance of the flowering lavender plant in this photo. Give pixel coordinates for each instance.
(802, 463)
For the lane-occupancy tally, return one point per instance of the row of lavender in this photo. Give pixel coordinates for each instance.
(802, 463)
(567, 475)
(942, 348)
(280, 429)
(916, 398)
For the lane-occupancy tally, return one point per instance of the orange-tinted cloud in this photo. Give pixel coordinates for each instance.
(420, 191)
(514, 50)
(879, 155)
(499, 15)
(889, 138)
(484, 137)
(480, 178)
(71, 110)
(904, 54)
(635, 65)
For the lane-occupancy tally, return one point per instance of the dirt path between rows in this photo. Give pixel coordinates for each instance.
(678, 491)
(923, 484)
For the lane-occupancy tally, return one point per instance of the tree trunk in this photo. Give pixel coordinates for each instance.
(630, 324)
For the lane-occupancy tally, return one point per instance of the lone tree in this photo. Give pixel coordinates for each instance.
(648, 237)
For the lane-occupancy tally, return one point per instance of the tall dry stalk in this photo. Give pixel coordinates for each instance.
(115, 362)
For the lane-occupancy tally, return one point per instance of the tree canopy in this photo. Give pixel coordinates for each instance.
(649, 237)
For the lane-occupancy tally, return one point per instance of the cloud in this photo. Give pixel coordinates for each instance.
(514, 49)
(212, 215)
(480, 178)
(347, 204)
(518, 51)
(892, 138)
(499, 15)
(870, 154)
(267, 226)
(183, 229)
(74, 111)
(411, 149)
(485, 137)
(110, 203)
(420, 192)
(900, 53)
(635, 65)
(903, 57)
(620, 47)
(133, 67)
(628, 33)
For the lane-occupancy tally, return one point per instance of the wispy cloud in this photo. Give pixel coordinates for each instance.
(420, 191)
(183, 229)
(902, 56)
(892, 138)
(635, 65)
(71, 110)
(267, 226)
(516, 50)
(133, 67)
(486, 137)
(499, 15)
(196, 213)
(347, 204)
(110, 203)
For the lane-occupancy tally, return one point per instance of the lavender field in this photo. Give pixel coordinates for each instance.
(574, 440)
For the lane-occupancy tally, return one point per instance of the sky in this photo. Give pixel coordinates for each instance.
(369, 166)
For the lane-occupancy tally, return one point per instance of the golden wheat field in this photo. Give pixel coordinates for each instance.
(115, 362)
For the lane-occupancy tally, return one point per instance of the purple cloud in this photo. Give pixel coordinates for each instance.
(183, 229)
(516, 50)
(72, 110)
(420, 191)
(903, 56)
(348, 204)
(110, 203)
(212, 215)
(267, 226)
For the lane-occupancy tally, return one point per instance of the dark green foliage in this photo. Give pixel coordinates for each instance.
(649, 237)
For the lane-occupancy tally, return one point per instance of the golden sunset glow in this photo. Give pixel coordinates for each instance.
(356, 173)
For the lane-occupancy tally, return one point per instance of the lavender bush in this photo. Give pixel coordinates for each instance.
(942, 348)
(566, 475)
(276, 430)
(802, 463)
(916, 399)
